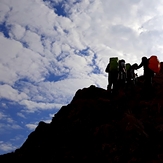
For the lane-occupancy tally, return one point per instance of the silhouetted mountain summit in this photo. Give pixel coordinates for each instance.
(97, 126)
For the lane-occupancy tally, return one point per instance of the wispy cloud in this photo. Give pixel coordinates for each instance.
(40, 52)
(7, 123)
(31, 126)
(36, 106)
(11, 94)
(21, 115)
(2, 115)
(6, 147)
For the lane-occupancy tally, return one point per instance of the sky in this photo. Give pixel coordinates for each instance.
(51, 48)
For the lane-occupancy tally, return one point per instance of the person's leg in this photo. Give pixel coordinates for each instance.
(148, 88)
(122, 82)
(110, 81)
(148, 79)
(115, 82)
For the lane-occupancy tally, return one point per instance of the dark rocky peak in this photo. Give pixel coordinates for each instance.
(99, 126)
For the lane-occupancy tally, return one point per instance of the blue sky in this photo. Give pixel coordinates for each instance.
(51, 48)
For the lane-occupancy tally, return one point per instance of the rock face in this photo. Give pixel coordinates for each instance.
(98, 126)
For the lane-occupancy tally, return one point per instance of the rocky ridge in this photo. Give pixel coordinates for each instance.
(98, 126)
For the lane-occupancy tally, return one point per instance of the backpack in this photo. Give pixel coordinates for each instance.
(154, 64)
(114, 66)
(128, 65)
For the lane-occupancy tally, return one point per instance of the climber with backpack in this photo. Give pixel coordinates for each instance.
(112, 70)
(148, 73)
(131, 76)
(151, 66)
(122, 74)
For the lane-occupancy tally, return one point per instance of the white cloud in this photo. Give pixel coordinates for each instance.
(7, 123)
(33, 41)
(17, 138)
(9, 120)
(23, 63)
(21, 115)
(6, 147)
(47, 121)
(62, 90)
(6, 118)
(11, 94)
(4, 105)
(36, 106)
(51, 115)
(4, 9)
(31, 126)
(53, 46)
(17, 32)
(2, 115)
(14, 126)
(7, 127)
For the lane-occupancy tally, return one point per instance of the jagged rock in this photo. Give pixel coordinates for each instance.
(96, 126)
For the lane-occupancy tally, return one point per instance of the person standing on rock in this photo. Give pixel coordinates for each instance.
(131, 76)
(112, 70)
(122, 74)
(148, 73)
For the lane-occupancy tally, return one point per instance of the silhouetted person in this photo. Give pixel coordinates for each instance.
(122, 74)
(148, 75)
(131, 76)
(112, 78)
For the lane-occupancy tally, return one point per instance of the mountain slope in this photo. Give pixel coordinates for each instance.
(98, 126)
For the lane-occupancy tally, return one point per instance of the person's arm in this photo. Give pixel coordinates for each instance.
(107, 68)
(141, 64)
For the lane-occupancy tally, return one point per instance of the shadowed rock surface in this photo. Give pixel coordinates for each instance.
(97, 126)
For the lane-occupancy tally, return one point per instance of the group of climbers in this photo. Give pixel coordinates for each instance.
(122, 74)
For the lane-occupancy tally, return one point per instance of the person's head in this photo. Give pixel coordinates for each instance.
(122, 63)
(135, 65)
(144, 59)
(122, 60)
